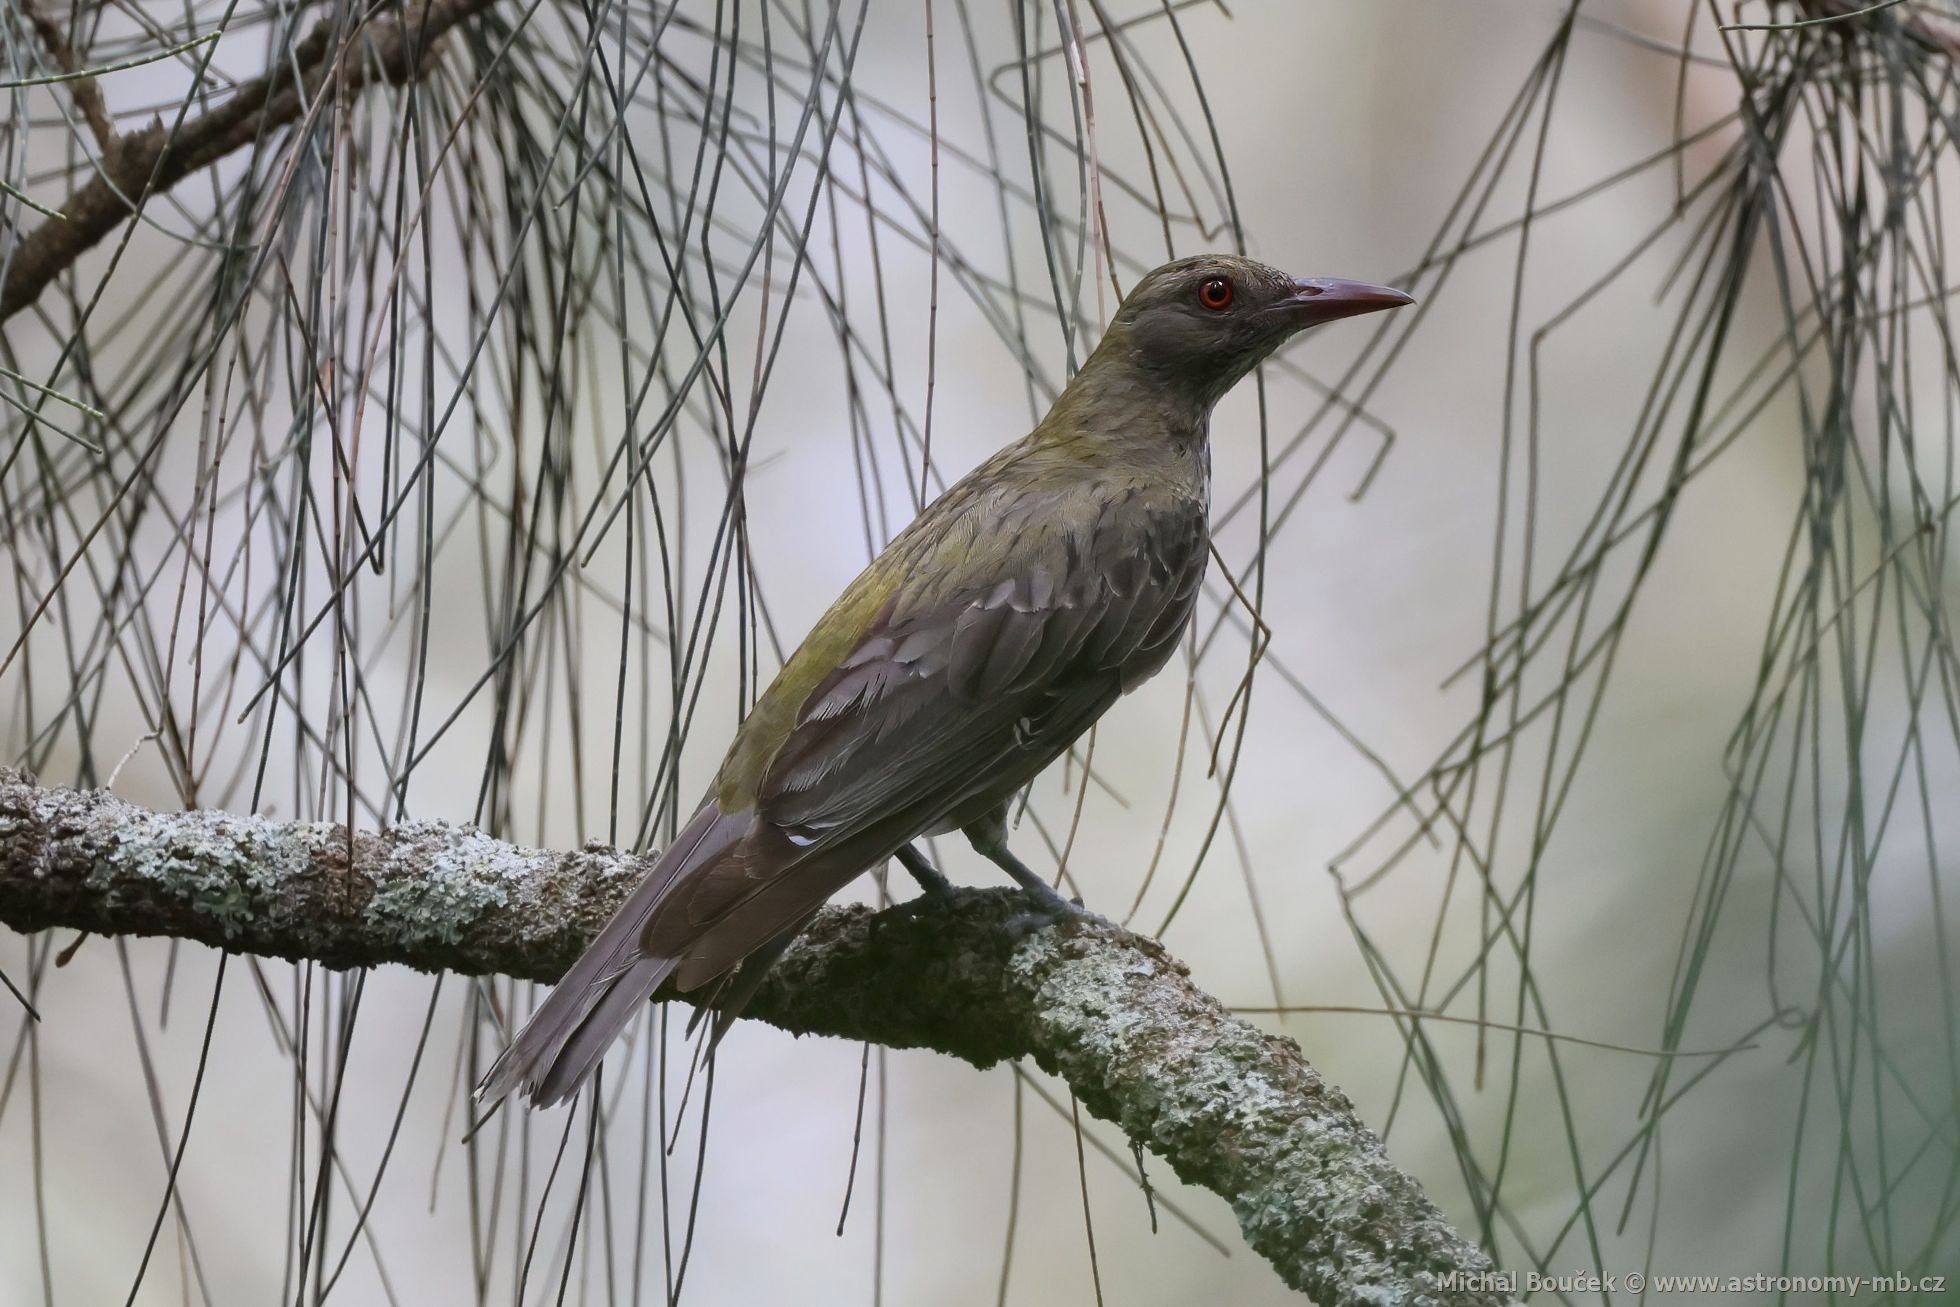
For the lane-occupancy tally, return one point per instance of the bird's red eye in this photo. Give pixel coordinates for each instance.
(1216, 294)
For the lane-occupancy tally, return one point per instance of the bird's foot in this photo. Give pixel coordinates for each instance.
(934, 888)
(909, 910)
(932, 881)
(1048, 900)
(1048, 908)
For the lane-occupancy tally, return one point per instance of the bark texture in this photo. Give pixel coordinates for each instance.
(1230, 1107)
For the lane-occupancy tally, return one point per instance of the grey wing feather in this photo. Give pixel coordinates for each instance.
(943, 701)
(935, 701)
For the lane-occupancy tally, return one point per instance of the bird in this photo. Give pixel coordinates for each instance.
(988, 636)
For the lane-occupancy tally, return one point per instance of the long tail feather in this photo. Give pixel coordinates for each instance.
(737, 989)
(579, 1052)
(565, 1038)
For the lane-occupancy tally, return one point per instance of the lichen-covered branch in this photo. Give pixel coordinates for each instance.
(1230, 1107)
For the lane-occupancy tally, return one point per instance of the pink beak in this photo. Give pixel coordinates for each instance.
(1325, 299)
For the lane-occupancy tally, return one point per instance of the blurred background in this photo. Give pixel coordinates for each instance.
(474, 443)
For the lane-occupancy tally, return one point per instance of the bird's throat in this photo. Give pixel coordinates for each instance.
(1116, 409)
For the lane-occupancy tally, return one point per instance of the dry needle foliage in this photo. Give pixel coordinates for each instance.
(407, 454)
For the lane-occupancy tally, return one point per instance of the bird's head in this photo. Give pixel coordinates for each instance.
(1200, 324)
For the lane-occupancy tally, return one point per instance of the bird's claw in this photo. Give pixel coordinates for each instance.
(1049, 900)
(1050, 909)
(909, 910)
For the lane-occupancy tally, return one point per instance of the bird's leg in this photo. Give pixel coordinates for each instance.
(931, 879)
(989, 838)
(937, 889)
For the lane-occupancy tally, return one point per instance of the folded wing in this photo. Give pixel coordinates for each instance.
(1012, 621)
(956, 694)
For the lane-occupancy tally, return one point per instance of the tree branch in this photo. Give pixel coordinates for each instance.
(137, 165)
(86, 94)
(1231, 1108)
